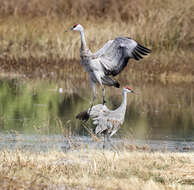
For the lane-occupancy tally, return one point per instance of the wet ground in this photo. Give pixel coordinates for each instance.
(61, 143)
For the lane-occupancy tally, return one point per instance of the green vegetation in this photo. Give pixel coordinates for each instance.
(37, 106)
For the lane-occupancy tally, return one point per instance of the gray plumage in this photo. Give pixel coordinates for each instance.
(107, 121)
(115, 54)
(110, 60)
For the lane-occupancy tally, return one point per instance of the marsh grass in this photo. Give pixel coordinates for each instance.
(32, 38)
(96, 169)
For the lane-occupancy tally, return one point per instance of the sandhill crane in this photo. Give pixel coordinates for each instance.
(107, 121)
(110, 60)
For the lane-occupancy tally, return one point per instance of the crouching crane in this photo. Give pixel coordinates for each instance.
(107, 121)
(108, 61)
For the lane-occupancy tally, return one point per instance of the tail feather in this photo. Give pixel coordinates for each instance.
(83, 115)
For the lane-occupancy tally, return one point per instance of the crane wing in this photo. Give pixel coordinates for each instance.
(103, 118)
(98, 112)
(103, 49)
(115, 54)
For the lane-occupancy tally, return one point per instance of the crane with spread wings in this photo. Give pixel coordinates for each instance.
(108, 61)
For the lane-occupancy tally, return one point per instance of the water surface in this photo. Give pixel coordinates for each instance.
(157, 111)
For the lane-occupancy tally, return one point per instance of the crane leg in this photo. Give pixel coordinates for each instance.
(103, 95)
(104, 143)
(93, 86)
(108, 140)
(92, 103)
(110, 143)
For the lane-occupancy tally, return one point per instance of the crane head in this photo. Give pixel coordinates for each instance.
(128, 89)
(77, 27)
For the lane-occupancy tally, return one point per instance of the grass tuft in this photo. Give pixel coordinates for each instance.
(96, 169)
(32, 38)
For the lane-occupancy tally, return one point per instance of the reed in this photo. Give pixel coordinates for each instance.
(96, 169)
(32, 38)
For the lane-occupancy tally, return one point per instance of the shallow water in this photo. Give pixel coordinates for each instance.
(42, 107)
(60, 143)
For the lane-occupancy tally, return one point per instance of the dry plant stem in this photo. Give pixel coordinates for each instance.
(94, 137)
(96, 169)
(33, 39)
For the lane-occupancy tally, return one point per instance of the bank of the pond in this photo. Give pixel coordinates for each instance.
(96, 169)
(165, 66)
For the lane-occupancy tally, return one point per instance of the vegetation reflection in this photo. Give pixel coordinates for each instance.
(39, 107)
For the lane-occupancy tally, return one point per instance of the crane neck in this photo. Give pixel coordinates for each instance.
(124, 101)
(83, 40)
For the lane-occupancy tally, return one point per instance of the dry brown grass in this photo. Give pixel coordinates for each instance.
(32, 38)
(96, 169)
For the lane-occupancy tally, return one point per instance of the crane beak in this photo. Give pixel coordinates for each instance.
(132, 91)
(68, 30)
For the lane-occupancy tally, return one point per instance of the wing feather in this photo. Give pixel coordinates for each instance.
(103, 118)
(103, 49)
(115, 54)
